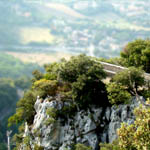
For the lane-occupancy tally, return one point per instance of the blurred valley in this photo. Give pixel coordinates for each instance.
(36, 32)
(50, 27)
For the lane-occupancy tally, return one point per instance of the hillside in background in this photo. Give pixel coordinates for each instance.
(15, 78)
(97, 28)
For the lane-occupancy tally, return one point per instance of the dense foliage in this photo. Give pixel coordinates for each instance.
(137, 135)
(117, 94)
(137, 53)
(125, 84)
(132, 79)
(85, 76)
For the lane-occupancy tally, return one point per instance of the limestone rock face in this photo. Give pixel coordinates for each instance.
(89, 127)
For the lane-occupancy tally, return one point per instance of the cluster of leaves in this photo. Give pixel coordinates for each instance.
(125, 84)
(18, 137)
(37, 147)
(45, 87)
(25, 109)
(85, 76)
(137, 53)
(117, 94)
(52, 113)
(137, 135)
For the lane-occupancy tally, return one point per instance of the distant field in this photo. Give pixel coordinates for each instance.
(40, 58)
(35, 34)
(65, 9)
(125, 25)
(122, 24)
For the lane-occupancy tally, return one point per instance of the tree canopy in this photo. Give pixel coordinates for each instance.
(131, 78)
(137, 53)
(85, 76)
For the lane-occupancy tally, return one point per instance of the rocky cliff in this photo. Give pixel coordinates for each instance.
(90, 127)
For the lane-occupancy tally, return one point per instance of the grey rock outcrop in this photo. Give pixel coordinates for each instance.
(89, 127)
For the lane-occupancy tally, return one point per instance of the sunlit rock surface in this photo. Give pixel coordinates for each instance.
(89, 127)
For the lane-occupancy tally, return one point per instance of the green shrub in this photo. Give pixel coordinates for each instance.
(45, 87)
(137, 53)
(81, 65)
(82, 147)
(53, 113)
(25, 109)
(26, 141)
(37, 147)
(117, 94)
(52, 71)
(49, 121)
(131, 78)
(37, 132)
(110, 146)
(137, 135)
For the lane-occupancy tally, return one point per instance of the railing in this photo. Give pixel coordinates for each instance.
(112, 69)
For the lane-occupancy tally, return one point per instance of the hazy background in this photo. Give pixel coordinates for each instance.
(35, 32)
(50, 27)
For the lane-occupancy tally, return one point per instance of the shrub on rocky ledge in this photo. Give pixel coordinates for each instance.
(117, 94)
(137, 135)
(82, 147)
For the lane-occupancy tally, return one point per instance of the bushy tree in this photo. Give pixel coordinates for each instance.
(137, 135)
(117, 94)
(85, 76)
(131, 78)
(81, 65)
(52, 71)
(37, 75)
(125, 84)
(25, 109)
(45, 87)
(137, 53)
